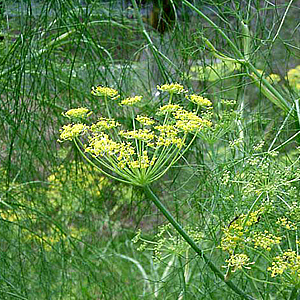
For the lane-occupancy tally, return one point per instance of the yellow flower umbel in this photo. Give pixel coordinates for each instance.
(236, 234)
(104, 124)
(293, 77)
(105, 92)
(173, 88)
(143, 153)
(71, 131)
(144, 120)
(77, 113)
(199, 100)
(131, 101)
(265, 240)
(239, 261)
(168, 108)
(289, 262)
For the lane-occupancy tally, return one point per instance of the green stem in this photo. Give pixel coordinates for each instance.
(297, 109)
(294, 294)
(188, 239)
(153, 48)
(200, 13)
(270, 92)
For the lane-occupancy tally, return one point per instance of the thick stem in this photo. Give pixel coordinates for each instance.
(188, 239)
(272, 92)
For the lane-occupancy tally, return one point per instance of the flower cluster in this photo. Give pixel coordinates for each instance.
(241, 234)
(144, 120)
(173, 88)
(131, 101)
(189, 121)
(239, 261)
(145, 135)
(143, 161)
(287, 261)
(72, 131)
(238, 231)
(105, 92)
(285, 223)
(133, 154)
(77, 113)
(100, 145)
(169, 136)
(199, 100)
(258, 146)
(293, 77)
(168, 108)
(265, 240)
(104, 124)
(271, 232)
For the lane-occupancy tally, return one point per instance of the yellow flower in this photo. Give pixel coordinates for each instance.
(173, 88)
(287, 261)
(137, 156)
(199, 100)
(293, 76)
(104, 124)
(79, 113)
(168, 108)
(238, 261)
(168, 136)
(101, 145)
(265, 240)
(189, 121)
(143, 161)
(104, 91)
(141, 134)
(71, 131)
(284, 222)
(144, 120)
(131, 101)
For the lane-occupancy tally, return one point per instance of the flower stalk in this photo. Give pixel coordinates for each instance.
(152, 196)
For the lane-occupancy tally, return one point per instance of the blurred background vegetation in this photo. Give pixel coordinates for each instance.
(66, 230)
